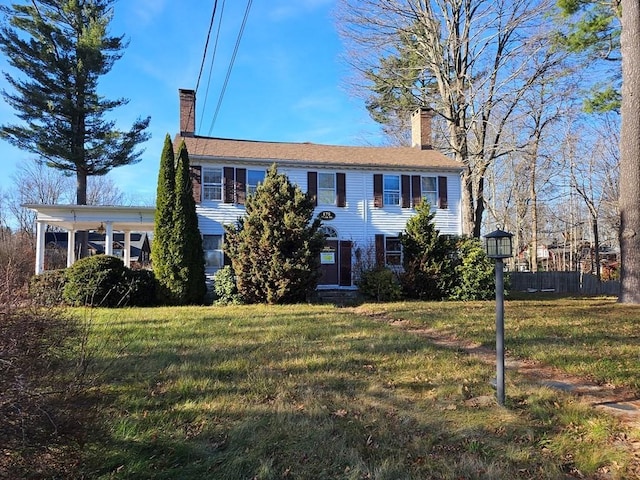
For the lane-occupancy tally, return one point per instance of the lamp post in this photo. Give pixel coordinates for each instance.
(498, 245)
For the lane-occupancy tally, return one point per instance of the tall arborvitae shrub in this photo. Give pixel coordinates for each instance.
(428, 259)
(189, 285)
(163, 224)
(275, 247)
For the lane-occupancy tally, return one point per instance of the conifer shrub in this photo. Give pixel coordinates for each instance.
(275, 247)
(99, 280)
(426, 257)
(380, 284)
(46, 289)
(475, 272)
(141, 288)
(224, 286)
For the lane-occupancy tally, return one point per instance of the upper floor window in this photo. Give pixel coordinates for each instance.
(213, 254)
(254, 178)
(326, 189)
(391, 189)
(429, 189)
(212, 184)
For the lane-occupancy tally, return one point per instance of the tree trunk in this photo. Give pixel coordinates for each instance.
(630, 155)
(596, 246)
(82, 238)
(533, 195)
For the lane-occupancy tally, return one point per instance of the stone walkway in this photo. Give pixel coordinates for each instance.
(621, 402)
(618, 401)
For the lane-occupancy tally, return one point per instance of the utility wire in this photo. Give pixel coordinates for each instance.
(206, 44)
(233, 58)
(213, 59)
(204, 57)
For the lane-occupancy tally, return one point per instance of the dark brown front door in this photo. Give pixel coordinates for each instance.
(335, 263)
(329, 257)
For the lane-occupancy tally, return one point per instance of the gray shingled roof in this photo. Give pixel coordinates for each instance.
(201, 148)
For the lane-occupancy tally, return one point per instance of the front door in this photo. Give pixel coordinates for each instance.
(335, 263)
(329, 266)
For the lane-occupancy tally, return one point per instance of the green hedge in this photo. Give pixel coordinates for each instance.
(99, 280)
(47, 288)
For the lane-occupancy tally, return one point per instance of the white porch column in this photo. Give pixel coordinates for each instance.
(40, 230)
(127, 248)
(71, 247)
(108, 239)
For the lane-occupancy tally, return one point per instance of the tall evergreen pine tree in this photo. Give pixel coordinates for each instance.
(189, 283)
(163, 224)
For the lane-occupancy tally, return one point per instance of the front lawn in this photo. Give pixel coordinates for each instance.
(320, 392)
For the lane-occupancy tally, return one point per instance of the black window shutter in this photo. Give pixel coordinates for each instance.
(416, 189)
(405, 190)
(312, 187)
(380, 250)
(345, 263)
(341, 182)
(196, 182)
(228, 185)
(241, 185)
(377, 190)
(443, 201)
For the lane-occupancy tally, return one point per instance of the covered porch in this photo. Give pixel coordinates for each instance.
(74, 218)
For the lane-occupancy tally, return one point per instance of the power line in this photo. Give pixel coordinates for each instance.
(206, 44)
(204, 58)
(213, 59)
(233, 58)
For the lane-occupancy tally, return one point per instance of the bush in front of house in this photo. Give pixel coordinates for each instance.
(99, 280)
(427, 257)
(225, 288)
(47, 288)
(141, 288)
(380, 284)
(475, 272)
(275, 247)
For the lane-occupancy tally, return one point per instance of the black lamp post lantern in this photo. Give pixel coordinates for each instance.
(499, 246)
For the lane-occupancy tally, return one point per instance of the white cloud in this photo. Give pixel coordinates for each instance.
(146, 11)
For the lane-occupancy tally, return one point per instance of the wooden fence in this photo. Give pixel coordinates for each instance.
(561, 282)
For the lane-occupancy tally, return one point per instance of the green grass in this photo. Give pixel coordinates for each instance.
(592, 337)
(319, 392)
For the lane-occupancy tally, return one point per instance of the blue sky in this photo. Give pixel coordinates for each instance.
(288, 82)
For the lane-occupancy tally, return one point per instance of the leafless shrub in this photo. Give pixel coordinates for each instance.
(41, 397)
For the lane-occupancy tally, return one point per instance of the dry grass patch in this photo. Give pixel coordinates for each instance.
(322, 392)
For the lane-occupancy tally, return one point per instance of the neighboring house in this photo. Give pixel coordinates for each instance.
(56, 244)
(364, 195)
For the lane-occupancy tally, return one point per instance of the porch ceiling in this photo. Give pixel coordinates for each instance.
(90, 217)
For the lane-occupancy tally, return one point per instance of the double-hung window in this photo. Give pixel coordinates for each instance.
(213, 255)
(430, 190)
(254, 178)
(391, 189)
(326, 189)
(212, 184)
(392, 251)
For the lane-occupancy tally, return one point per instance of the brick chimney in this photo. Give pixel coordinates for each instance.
(187, 112)
(421, 128)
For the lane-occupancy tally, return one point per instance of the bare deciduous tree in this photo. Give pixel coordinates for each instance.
(470, 57)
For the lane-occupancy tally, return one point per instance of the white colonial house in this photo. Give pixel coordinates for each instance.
(364, 195)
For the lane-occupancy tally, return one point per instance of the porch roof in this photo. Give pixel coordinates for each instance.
(91, 217)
